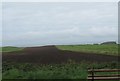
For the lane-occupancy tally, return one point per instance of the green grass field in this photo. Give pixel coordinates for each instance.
(10, 49)
(57, 71)
(100, 49)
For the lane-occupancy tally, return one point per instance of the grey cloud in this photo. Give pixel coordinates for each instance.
(26, 24)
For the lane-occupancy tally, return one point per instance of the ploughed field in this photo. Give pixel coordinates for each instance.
(53, 55)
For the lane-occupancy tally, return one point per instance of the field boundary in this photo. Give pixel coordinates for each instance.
(93, 76)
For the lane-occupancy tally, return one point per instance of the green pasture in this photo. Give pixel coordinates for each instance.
(10, 49)
(99, 49)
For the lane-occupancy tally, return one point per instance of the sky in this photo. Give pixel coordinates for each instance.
(57, 23)
(60, 0)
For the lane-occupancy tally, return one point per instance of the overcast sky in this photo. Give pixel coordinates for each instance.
(31, 24)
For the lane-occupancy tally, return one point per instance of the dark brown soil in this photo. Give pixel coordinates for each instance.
(52, 55)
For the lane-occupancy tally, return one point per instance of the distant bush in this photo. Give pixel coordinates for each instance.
(109, 42)
(95, 44)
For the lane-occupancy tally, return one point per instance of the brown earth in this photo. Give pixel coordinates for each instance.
(52, 55)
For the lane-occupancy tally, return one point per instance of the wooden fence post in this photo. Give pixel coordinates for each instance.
(92, 74)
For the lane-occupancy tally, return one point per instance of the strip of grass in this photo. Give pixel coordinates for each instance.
(100, 49)
(10, 49)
